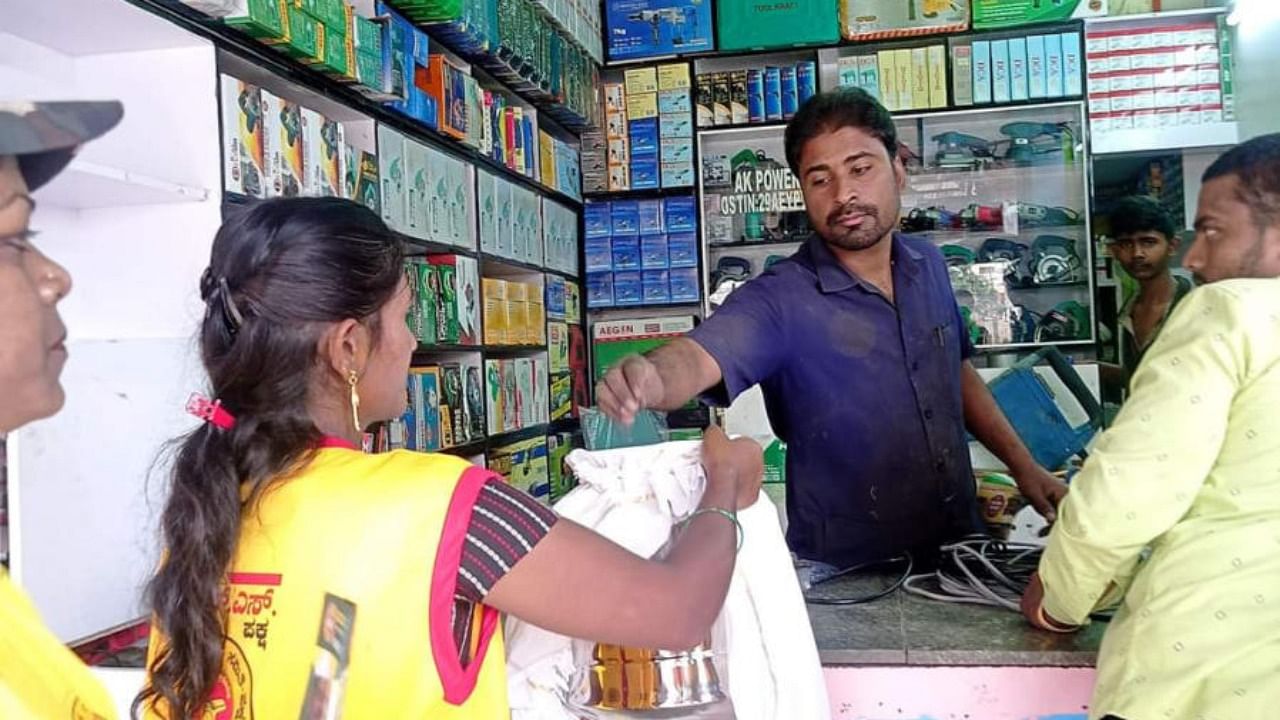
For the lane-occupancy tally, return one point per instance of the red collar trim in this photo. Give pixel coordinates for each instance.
(333, 441)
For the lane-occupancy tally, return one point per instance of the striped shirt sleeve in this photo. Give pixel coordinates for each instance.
(505, 525)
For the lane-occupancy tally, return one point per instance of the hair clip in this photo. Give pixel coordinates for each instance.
(210, 412)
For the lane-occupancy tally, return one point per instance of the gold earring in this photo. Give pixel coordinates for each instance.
(352, 379)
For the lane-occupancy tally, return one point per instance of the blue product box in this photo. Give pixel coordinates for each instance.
(755, 95)
(626, 253)
(677, 150)
(806, 81)
(684, 285)
(1053, 87)
(674, 101)
(599, 254)
(644, 172)
(1018, 69)
(681, 214)
(682, 250)
(625, 215)
(644, 135)
(650, 212)
(653, 28)
(772, 93)
(677, 126)
(628, 288)
(653, 252)
(596, 217)
(555, 297)
(981, 72)
(676, 175)
(1072, 63)
(600, 290)
(657, 287)
(790, 92)
(1000, 85)
(1037, 76)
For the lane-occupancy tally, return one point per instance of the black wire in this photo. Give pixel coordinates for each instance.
(905, 558)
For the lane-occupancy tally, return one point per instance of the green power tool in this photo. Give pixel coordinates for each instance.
(1031, 142)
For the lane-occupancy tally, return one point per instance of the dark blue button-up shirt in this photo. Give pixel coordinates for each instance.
(866, 394)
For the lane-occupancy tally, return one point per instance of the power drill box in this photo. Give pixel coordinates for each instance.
(282, 133)
(243, 150)
(653, 28)
(322, 155)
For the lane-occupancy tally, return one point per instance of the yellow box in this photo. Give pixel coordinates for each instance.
(642, 106)
(888, 79)
(547, 159)
(902, 73)
(641, 80)
(493, 288)
(673, 77)
(518, 329)
(537, 324)
(937, 76)
(920, 78)
(517, 291)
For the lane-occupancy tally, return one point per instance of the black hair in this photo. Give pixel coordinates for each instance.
(830, 111)
(1257, 164)
(280, 271)
(1139, 213)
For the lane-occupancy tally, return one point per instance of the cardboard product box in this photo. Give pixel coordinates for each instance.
(903, 74)
(322, 155)
(1053, 66)
(869, 74)
(448, 328)
(430, 422)
(454, 428)
(1018, 70)
(613, 340)
(626, 253)
(656, 286)
(524, 392)
(704, 100)
(572, 303)
(628, 288)
(561, 480)
(920, 78)
(473, 397)
(271, 139)
(495, 397)
(1001, 90)
(446, 83)
(652, 28)
(416, 163)
(653, 252)
(524, 466)
(428, 301)
(541, 391)
(982, 90)
(290, 172)
(334, 55)
(561, 400)
(888, 69)
(599, 289)
(988, 14)
(460, 230)
(243, 148)
(885, 19)
(486, 201)
(497, 322)
(518, 322)
(468, 300)
(362, 183)
(537, 322)
(790, 92)
(680, 213)
(558, 346)
(674, 76)
(511, 408)
(262, 19)
(413, 318)
(748, 25)
(684, 285)
(506, 217)
(738, 97)
(392, 173)
(300, 39)
(721, 97)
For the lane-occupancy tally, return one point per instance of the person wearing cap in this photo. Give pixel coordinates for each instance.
(39, 676)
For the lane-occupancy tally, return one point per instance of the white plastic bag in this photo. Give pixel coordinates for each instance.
(634, 496)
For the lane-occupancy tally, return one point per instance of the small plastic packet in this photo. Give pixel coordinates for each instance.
(600, 432)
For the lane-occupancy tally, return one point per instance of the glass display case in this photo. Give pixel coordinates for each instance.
(1004, 194)
(752, 207)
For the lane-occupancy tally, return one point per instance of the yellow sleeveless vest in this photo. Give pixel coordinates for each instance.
(340, 597)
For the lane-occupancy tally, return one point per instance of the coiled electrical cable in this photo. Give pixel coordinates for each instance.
(979, 571)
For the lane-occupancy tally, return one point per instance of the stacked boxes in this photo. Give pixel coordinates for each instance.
(425, 193)
(618, 145)
(1159, 76)
(675, 127)
(408, 50)
(641, 252)
(446, 306)
(514, 313)
(901, 79)
(749, 25)
(558, 165)
(243, 141)
(444, 407)
(755, 95)
(511, 223)
(561, 237)
(889, 19)
(595, 162)
(1016, 69)
(419, 428)
(516, 393)
(648, 130)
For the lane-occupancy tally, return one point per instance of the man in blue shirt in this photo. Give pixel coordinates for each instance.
(858, 345)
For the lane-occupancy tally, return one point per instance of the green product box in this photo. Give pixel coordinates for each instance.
(561, 395)
(330, 12)
(367, 35)
(428, 290)
(452, 412)
(369, 70)
(413, 318)
(301, 36)
(989, 14)
(332, 50)
(448, 329)
(751, 25)
(264, 20)
(678, 434)
(775, 462)
(561, 478)
(614, 340)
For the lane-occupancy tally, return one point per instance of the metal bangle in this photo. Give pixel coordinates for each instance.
(731, 516)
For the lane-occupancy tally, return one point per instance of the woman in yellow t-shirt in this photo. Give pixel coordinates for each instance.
(304, 578)
(39, 676)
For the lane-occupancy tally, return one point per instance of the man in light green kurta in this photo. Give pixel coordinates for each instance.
(1190, 470)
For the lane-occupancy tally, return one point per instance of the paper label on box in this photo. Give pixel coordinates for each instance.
(1166, 117)
(1161, 60)
(1099, 85)
(1096, 45)
(642, 106)
(1122, 121)
(1209, 76)
(1186, 76)
(1144, 100)
(1184, 37)
(1210, 96)
(1207, 55)
(1144, 82)
(1121, 103)
(1189, 116)
(1099, 104)
(1166, 97)
(1144, 120)
(1141, 41)
(1188, 97)
(1167, 78)
(1120, 83)
(1100, 124)
(1161, 38)
(1209, 116)
(1119, 63)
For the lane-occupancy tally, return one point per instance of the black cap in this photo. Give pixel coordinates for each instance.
(44, 135)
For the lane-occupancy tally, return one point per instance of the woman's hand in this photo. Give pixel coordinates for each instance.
(735, 468)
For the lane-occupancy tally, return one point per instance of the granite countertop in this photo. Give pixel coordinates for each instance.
(903, 629)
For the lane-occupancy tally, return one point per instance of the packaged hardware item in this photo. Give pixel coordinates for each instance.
(652, 28)
(473, 397)
(424, 399)
(884, 19)
(243, 149)
(362, 178)
(322, 155)
(524, 465)
(495, 397)
(448, 329)
(496, 320)
(989, 14)
(392, 172)
(748, 25)
(417, 161)
(427, 301)
(454, 428)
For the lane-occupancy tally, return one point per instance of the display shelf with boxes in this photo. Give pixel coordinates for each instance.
(407, 105)
(1160, 82)
(515, 312)
(753, 90)
(445, 309)
(646, 142)
(641, 252)
(1004, 195)
(935, 73)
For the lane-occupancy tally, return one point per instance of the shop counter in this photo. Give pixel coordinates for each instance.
(904, 656)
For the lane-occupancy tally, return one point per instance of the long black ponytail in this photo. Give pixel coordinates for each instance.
(280, 271)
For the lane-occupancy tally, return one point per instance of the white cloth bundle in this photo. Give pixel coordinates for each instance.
(634, 496)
